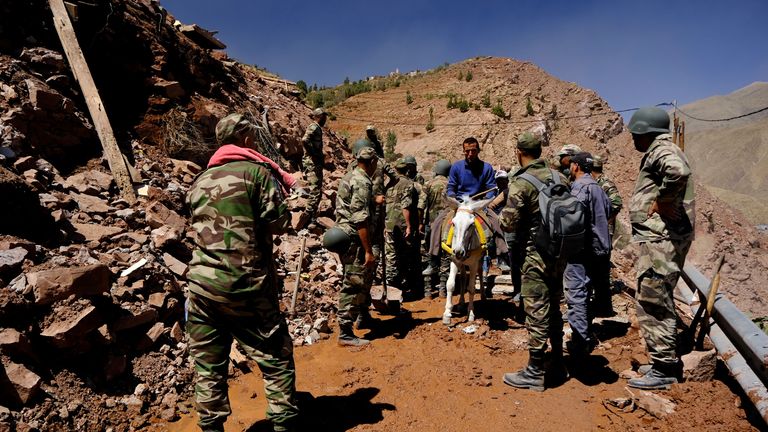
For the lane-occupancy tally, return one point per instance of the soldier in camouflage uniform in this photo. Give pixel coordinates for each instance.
(383, 168)
(373, 136)
(236, 206)
(400, 226)
(662, 216)
(314, 160)
(602, 305)
(542, 277)
(354, 215)
(562, 161)
(432, 202)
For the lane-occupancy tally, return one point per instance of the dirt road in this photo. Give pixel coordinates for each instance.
(419, 375)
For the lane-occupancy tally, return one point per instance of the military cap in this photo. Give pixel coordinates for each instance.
(366, 153)
(410, 160)
(528, 141)
(584, 160)
(401, 164)
(370, 127)
(597, 161)
(319, 112)
(569, 150)
(229, 129)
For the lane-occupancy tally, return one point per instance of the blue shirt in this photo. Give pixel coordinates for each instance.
(470, 179)
(586, 190)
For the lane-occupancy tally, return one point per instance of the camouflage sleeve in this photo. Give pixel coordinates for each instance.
(388, 169)
(267, 200)
(360, 202)
(510, 214)
(422, 205)
(675, 175)
(613, 194)
(308, 134)
(406, 197)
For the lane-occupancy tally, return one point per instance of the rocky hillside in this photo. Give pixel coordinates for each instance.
(566, 113)
(91, 286)
(731, 158)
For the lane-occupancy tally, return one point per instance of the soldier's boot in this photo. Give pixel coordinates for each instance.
(434, 262)
(442, 292)
(557, 372)
(364, 320)
(660, 377)
(348, 338)
(531, 376)
(503, 261)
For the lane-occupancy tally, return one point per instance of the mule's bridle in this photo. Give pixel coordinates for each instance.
(446, 245)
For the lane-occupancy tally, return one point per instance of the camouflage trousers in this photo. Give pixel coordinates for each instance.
(541, 292)
(355, 286)
(211, 327)
(398, 252)
(658, 268)
(313, 174)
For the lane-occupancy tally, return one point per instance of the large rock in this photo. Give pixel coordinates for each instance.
(18, 384)
(164, 235)
(158, 215)
(135, 318)
(15, 343)
(49, 286)
(67, 328)
(95, 232)
(176, 266)
(91, 204)
(699, 365)
(11, 261)
(89, 182)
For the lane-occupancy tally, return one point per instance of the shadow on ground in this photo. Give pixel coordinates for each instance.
(335, 413)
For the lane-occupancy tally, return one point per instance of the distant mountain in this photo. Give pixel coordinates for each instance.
(732, 156)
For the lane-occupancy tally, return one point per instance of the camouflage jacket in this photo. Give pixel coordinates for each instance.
(432, 201)
(610, 189)
(382, 168)
(354, 201)
(235, 208)
(402, 195)
(313, 141)
(521, 215)
(665, 176)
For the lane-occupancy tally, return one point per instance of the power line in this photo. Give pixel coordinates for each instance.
(721, 119)
(507, 122)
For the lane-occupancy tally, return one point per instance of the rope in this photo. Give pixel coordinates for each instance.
(720, 119)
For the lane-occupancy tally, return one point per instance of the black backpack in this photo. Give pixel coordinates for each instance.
(563, 228)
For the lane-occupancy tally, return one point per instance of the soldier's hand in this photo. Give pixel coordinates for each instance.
(379, 199)
(665, 210)
(408, 232)
(370, 260)
(421, 229)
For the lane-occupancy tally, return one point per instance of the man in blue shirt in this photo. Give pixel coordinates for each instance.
(580, 271)
(471, 176)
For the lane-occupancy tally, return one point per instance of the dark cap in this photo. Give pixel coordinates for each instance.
(584, 160)
(528, 141)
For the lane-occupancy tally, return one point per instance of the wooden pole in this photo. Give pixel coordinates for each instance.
(682, 136)
(99, 116)
(298, 275)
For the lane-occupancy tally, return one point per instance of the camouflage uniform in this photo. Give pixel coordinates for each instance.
(610, 189)
(397, 248)
(354, 206)
(432, 202)
(665, 177)
(542, 278)
(313, 162)
(233, 289)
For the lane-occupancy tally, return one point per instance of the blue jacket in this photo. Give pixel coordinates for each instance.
(586, 190)
(470, 179)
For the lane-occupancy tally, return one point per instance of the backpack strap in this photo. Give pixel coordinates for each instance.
(533, 180)
(555, 176)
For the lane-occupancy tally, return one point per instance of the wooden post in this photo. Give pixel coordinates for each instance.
(99, 116)
(675, 129)
(682, 136)
(298, 275)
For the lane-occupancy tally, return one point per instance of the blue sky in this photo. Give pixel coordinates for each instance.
(633, 53)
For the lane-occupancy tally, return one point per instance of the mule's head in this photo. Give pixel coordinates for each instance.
(465, 238)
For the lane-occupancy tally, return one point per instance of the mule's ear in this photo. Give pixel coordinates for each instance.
(477, 205)
(452, 202)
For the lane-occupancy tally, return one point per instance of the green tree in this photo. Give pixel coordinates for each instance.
(389, 147)
(486, 101)
(408, 97)
(302, 87)
(498, 110)
(528, 106)
(462, 105)
(431, 122)
(468, 76)
(346, 80)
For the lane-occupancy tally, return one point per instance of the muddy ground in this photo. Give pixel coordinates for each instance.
(419, 375)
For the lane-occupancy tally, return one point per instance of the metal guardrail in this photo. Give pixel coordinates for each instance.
(738, 341)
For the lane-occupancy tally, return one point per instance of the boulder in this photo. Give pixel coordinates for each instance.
(19, 385)
(158, 215)
(91, 204)
(135, 318)
(15, 343)
(95, 232)
(60, 283)
(699, 365)
(176, 266)
(164, 235)
(11, 261)
(89, 182)
(67, 328)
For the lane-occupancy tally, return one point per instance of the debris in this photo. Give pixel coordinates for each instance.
(51, 285)
(137, 265)
(699, 365)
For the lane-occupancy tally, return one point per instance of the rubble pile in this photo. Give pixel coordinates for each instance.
(92, 286)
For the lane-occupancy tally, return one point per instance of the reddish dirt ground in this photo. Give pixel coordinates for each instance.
(419, 375)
